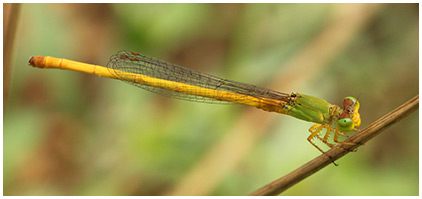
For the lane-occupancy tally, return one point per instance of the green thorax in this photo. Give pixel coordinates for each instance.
(312, 109)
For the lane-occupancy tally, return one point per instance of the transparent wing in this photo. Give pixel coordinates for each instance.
(134, 62)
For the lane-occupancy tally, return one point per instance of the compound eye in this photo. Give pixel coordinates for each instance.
(345, 124)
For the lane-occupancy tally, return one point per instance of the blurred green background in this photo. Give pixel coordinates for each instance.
(68, 133)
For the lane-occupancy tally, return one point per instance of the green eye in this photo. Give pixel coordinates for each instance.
(345, 124)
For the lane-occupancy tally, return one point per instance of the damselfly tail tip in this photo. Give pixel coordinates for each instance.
(36, 61)
(31, 61)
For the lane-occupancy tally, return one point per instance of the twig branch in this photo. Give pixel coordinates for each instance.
(11, 15)
(283, 183)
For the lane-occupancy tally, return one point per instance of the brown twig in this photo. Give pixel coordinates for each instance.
(285, 182)
(11, 13)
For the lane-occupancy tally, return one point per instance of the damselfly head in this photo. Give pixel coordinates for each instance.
(350, 118)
